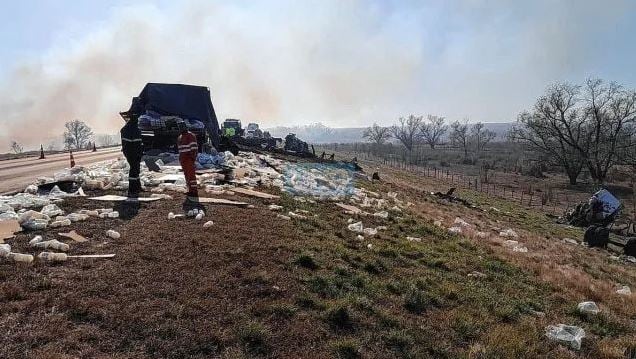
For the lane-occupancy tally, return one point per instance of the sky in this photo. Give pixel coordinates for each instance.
(344, 63)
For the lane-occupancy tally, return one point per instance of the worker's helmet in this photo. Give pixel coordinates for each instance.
(182, 126)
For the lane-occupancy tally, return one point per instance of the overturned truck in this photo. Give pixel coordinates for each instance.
(160, 108)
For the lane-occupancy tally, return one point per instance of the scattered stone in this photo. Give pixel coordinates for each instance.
(588, 308)
(566, 334)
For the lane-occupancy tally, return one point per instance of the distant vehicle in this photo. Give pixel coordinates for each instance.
(232, 128)
(160, 108)
(253, 131)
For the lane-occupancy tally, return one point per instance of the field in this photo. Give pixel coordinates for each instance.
(256, 285)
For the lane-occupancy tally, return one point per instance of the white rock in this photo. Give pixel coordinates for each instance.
(208, 224)
(566, 334)
(588, 308)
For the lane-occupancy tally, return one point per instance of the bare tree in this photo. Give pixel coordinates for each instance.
(592, 128)
(16, 147)
(610, 116)
(77, 134)
(459, 135)
(377, 134)
(480, 137)
(433, 131)
(408, 131)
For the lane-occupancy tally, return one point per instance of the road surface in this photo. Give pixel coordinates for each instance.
(17, 174)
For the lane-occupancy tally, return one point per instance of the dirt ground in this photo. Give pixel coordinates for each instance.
(256, 285)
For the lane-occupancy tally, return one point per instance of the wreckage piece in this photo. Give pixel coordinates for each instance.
(74, 236)
(349, 208)
(253, 193)
(602, 209)
(8, 229)
(216, 201)
(115, 198)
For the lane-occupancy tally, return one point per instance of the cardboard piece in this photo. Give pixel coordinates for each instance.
(8, 229)
(250, 192)
(115, 198)
(74, 236)
(349, 208)
(216, 201)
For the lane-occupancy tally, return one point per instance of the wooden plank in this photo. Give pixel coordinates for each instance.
(74, 236)
(251, 192)
(216, 201)
(93, 256)
(115, 198)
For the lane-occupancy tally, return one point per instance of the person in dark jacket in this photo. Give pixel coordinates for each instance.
(132, 147)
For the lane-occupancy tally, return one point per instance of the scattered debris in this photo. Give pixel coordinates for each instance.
(570, 241)
(320, 180)
(588, 308)
(113, 234)
(455, 230)
(508, 233)
(461, 223)
(381, 214)
(208, 224)
(52, 257)
(356, 227)
(275, 207)
(281, 216)
(624, 290)
(360, 237)
(481, 235)
(36, 239)
(515, 246)
(413, 239)
(370, 231)
(296, 215)
(369, 246)
(52, 244)
(602, 208)
(566, 334)
(5, 249)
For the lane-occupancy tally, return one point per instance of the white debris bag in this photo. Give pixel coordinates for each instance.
(566, 334)
(588, 308)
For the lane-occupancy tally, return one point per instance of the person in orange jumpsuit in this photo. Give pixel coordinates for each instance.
(188, 149)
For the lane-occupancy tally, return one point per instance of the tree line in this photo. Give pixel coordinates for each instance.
(77, 135)
(413, 130)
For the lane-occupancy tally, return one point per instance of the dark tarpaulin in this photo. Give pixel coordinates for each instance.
(187, 101)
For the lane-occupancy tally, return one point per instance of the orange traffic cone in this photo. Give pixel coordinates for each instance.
(41, 152)
(72, 159)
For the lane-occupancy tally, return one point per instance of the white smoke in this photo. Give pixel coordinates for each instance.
(342, 63)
